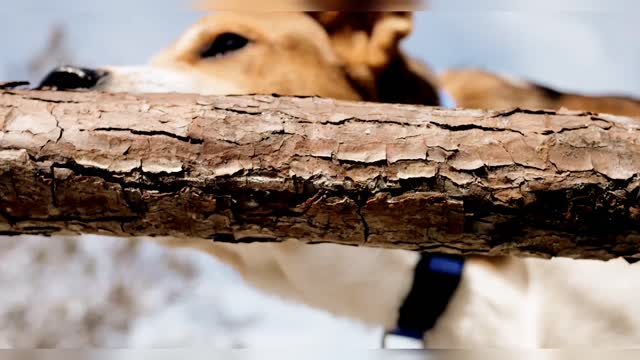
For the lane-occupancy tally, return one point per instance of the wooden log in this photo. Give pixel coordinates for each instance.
(262, 168)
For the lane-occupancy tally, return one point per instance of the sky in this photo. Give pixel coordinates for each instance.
(584, 46)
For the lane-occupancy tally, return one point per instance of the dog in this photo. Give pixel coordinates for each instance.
(494, 301)
(475, 88)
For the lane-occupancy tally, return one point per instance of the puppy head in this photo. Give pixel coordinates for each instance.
(353, 56)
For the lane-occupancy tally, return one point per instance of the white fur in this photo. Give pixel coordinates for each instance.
(551, 303)
(152, 79)
(346, 281)
(564, 303)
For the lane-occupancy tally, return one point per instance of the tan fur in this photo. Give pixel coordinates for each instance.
(503, 302)
(473, 88)
(290, 54)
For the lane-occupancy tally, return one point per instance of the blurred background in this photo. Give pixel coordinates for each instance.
(106, 292)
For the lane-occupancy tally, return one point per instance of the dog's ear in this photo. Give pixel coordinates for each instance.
(368, 44)
(366, 39)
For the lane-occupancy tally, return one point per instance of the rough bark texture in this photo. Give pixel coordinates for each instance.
(242, 169)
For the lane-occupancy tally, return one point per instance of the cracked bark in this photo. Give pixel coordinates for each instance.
(261, 168)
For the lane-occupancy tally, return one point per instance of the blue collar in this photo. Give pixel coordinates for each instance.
(435, 280)
(446, 100)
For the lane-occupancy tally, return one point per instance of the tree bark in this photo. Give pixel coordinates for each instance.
(261, 168)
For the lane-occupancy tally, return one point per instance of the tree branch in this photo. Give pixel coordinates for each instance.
(260, 168)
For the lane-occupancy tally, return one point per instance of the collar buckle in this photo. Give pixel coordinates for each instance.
(395, 340)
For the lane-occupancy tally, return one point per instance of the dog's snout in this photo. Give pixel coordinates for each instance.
(71, 77)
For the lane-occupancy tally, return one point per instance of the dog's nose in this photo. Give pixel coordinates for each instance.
(71, 77)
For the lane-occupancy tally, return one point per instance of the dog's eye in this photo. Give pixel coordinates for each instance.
(223, 44)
